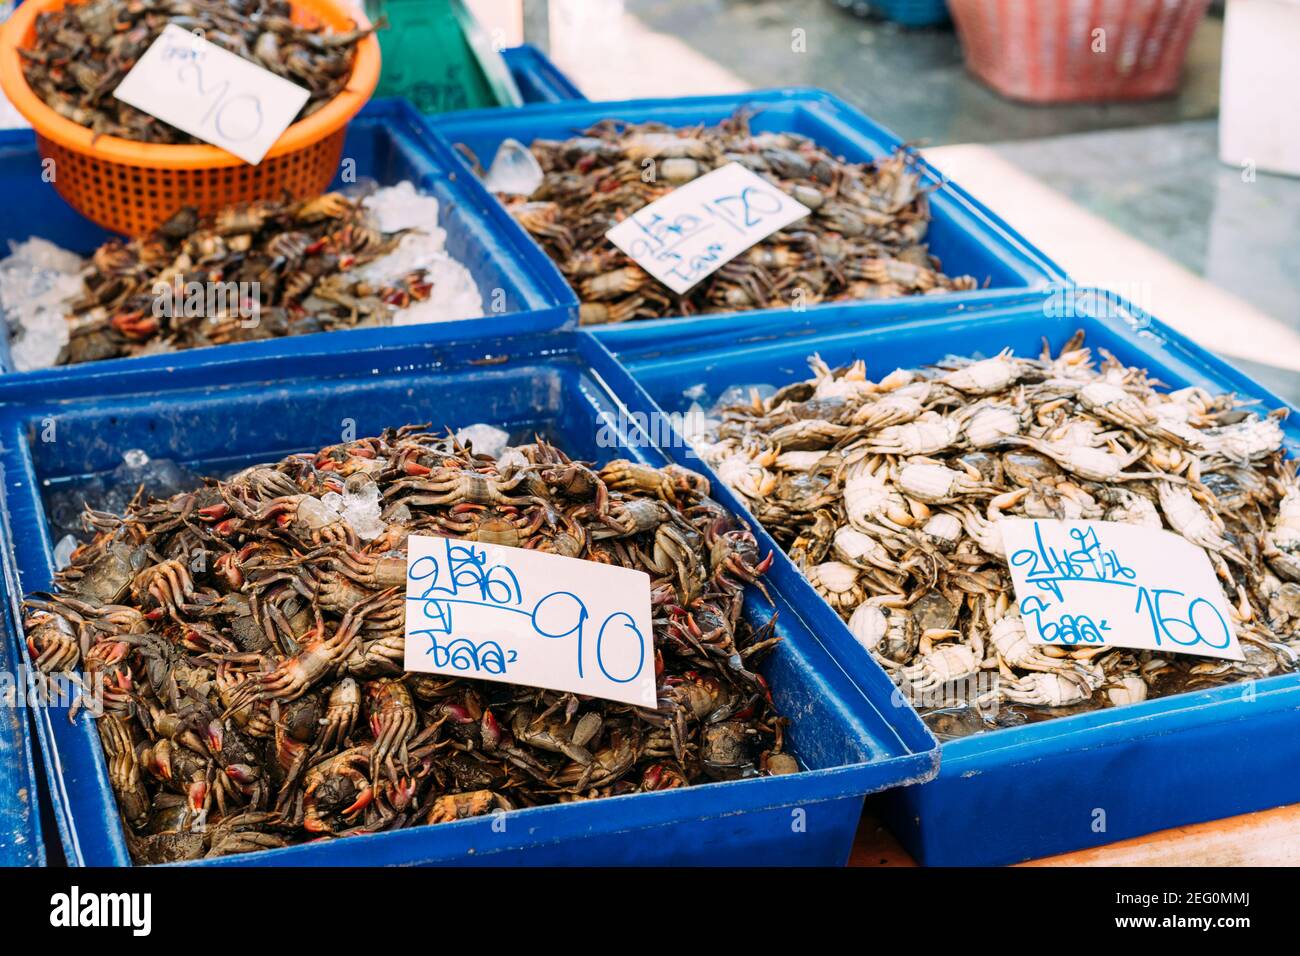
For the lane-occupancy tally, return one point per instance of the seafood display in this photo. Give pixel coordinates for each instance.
(255, 271)
(865, 238)
(247, 639)
(887, 494)
(84, 50)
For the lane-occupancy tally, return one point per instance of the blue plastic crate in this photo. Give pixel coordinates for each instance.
(1025, 792)
(387, 143)
(539, 80)
(846, 732)
(966, 236)
(21, 839)
(907, 13)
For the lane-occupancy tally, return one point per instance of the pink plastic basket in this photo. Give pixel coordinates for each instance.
(1043, 51)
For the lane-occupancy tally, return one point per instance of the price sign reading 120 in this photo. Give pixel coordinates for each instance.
(525, 617)
(1099, 583)
(212, 94)
(700, 227)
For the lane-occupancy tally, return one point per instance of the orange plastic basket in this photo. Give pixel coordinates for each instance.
(131, 187)
(1042, 51)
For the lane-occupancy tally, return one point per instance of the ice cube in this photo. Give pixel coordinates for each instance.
(361, 509)
(63, 551)
(514, 170)
(743, 394)
(484, 439)
(401, 207)
(313, 513)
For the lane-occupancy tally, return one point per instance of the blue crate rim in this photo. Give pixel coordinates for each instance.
(847, 119)
(528, 60)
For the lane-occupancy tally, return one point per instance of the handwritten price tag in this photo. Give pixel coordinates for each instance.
(697, 229)
(1090, 583)
(212, 94)
(524, 617)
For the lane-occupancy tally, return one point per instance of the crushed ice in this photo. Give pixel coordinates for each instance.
(39, 280)
(359, 506)
(484, 439)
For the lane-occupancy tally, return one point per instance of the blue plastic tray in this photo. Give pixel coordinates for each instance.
(1025, 792)
(847, 732)
(539, 80)
(907, 13)
(388, 144)
(966, 236)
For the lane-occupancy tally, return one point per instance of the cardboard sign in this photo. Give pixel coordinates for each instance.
(212, 94)
(697, 229)
(1090, 583)
(492, 612)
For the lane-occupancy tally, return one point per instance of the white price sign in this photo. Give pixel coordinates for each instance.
(492, 612)
(697, 229)
(212, 94)
(1101, 583)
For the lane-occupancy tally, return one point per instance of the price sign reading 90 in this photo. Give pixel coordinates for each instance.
(524, 617)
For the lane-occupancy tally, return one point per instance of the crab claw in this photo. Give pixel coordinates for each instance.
(363, 800)
(198, 794)
(216, 735)
(242, 773)
(457, 713)
(160, 759)
(135, 324)
(490, 731)
(401, 793)
(227, 566)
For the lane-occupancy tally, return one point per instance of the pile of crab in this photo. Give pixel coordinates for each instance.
(864, 239)
(253, 271)
(887, 495)
(245, 647)
(85, 49)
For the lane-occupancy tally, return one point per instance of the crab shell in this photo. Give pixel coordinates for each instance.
(927, 435)
(990, 424)
(946, 663)
(1247, 441)
(929, 483)
(944, 530)
(984, 377)
(1127, 690)
(868, 624)
(856, 548)
(836, 581)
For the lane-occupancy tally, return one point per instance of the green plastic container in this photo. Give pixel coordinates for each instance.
(437, 56)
